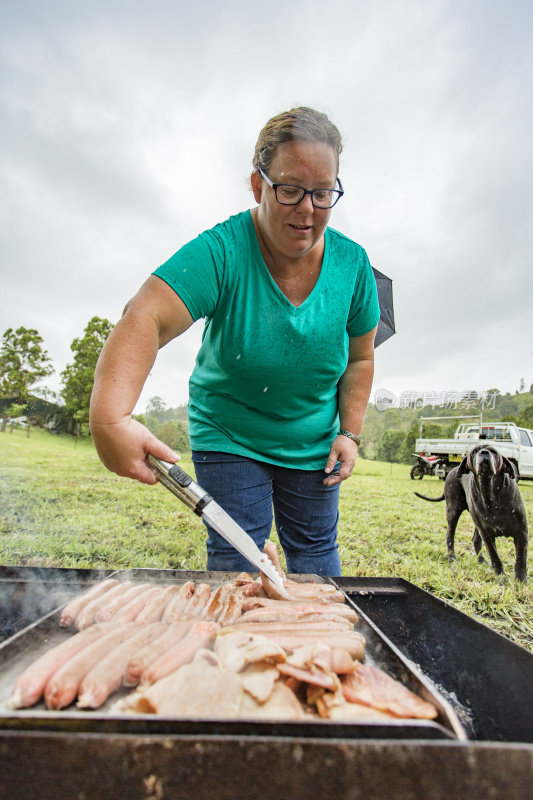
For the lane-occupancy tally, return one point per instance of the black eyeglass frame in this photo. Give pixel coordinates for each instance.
(339, 192)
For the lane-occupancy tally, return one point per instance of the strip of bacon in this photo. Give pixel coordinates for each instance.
(315, 677)
(373, 687)
(196, 690)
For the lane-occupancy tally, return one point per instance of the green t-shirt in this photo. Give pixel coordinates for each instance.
(266, 375)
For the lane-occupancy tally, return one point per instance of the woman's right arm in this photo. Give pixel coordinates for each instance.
(151, 319)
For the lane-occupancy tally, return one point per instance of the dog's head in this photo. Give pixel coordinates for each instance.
(484, 460)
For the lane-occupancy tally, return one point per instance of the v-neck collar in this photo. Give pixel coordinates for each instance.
(271, 283)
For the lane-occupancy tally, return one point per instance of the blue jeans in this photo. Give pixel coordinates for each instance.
(305, 511)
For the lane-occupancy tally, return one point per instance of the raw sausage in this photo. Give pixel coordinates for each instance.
(88, 613)
(71, 611)
(200, 635)
(147, 655)
(106, 676)
(173, 610)
(154, 608)
(62, 687)
(130, 611)
(29, 687)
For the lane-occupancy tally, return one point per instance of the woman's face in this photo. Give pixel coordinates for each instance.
(293, 231)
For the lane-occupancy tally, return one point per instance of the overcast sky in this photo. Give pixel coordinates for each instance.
(127, 127)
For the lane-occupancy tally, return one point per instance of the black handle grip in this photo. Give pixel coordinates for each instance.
(180, 476)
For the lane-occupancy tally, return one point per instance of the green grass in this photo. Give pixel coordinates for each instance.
(60, 507)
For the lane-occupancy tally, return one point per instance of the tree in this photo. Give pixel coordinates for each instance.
(15, 410)
(23, 363)
(78, 378)
(508, 407)
(407, 449)
(175, 434)
(156, 406)
(390, 445)
(525, 420)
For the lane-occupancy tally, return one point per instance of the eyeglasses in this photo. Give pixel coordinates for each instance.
(289, 195)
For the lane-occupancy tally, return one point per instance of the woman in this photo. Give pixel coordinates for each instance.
(282, 379)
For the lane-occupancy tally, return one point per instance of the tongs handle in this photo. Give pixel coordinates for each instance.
(181, 484)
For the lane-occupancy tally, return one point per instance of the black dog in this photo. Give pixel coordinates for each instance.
(485, 484)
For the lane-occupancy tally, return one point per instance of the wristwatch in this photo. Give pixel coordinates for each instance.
(353, 436)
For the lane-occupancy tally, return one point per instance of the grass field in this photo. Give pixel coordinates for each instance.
(60, 507)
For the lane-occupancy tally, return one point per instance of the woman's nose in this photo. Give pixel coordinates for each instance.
(306, 204)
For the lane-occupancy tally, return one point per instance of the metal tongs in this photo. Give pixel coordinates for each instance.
(177, 481)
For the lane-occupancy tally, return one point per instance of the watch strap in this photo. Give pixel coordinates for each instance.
(353, 436)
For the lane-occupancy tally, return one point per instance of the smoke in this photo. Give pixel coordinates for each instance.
(27, 594)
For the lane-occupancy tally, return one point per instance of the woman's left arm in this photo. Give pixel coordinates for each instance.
(354, 392)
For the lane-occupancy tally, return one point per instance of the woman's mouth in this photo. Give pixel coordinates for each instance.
(301, 228)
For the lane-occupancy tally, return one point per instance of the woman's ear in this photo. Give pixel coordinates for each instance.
(257, 186)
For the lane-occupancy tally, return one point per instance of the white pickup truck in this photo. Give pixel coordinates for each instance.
(514, 443)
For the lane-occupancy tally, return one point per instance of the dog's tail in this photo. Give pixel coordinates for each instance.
(431, 499)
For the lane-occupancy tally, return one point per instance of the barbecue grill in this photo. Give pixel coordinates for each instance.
(479, 746)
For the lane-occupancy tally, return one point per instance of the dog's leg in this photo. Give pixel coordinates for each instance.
(497, 565)
(452, 515)
(455, 505)
(478, 544)
(520, 567)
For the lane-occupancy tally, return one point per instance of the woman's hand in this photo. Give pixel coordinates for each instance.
(345, 451)
(123, 447)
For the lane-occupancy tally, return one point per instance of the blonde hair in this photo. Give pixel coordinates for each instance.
(301, 124)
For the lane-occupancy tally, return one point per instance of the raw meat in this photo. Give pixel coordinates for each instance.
(236, 649)
(62, 688)
(351, 641)
(140, 662)
(216, 602)
(371, 686)
(71, 611)
(282, 704)
(200, 635)
(89, 611)
(30, 686)
(231, 610)
(196, 604)
(258, 680)
(173, 610)
(262, 607)
(198, 690)
(131, 610)
(154, 608)
(106, 676)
